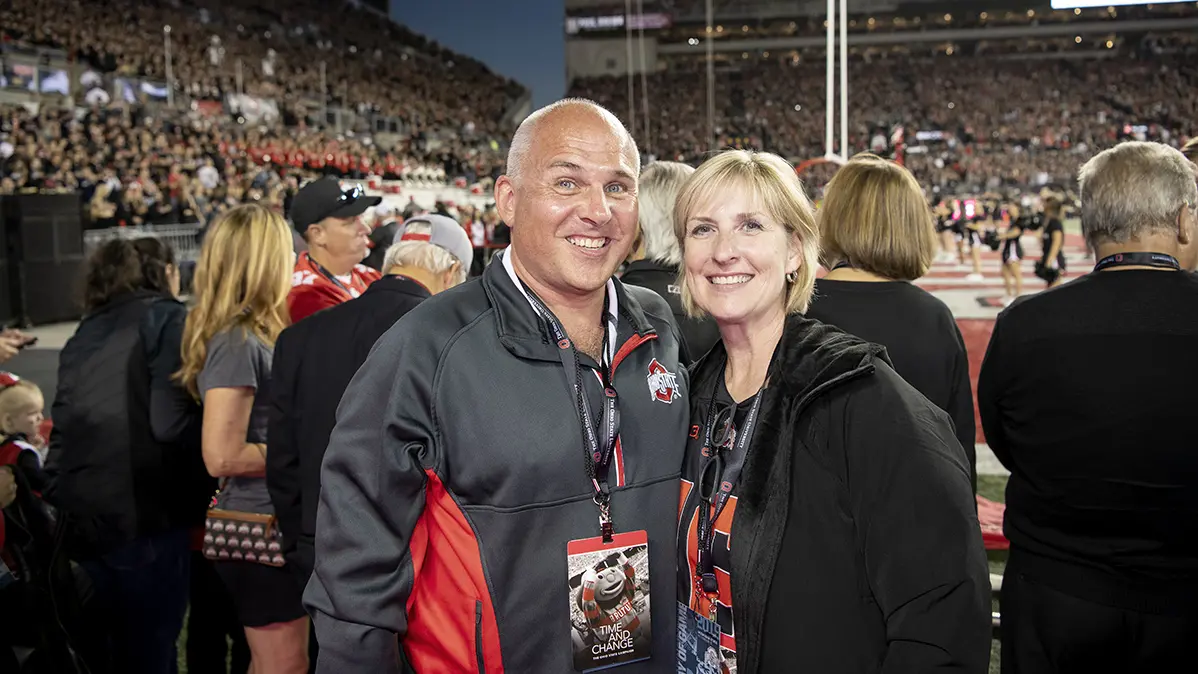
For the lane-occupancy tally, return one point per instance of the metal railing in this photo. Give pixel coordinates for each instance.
(183, 239)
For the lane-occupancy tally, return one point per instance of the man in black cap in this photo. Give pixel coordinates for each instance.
(329, 272)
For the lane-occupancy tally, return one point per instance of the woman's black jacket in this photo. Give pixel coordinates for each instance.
(855, 546)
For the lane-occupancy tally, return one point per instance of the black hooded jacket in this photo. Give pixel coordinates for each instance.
(855, 545)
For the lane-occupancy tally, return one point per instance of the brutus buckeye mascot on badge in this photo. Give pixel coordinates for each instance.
(607, 599)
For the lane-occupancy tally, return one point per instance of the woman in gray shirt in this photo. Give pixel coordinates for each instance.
(241, 282)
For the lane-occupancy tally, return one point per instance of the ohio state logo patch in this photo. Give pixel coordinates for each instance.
(663, 384)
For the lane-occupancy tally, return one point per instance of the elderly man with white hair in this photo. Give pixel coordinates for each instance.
(1086, 396)
(656, 255)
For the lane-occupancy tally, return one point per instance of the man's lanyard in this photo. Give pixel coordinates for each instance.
(1159, 260)
(727, 473)
(597, 452)
(329, 275)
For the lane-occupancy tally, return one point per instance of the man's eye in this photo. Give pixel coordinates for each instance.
(566, 184)
(616, 188)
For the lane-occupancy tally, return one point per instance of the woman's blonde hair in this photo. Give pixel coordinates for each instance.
(874, 216)
(241, 281)
(773, 182)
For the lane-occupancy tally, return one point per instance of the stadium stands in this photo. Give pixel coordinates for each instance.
(971, 122)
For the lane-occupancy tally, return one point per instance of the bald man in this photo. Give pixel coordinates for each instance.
(500, 492)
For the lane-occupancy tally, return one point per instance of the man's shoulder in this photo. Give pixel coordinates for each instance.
(1048, 302)
(653, 305)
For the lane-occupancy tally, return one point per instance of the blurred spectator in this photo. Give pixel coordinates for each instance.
(1084, 397)
(124, 452)
(330, 271)
(877, 237)
(382, 233)
(656, 256)
(241, 287)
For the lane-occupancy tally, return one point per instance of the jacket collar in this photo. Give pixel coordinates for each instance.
(395, 283)
(524, 333)
(810, 358)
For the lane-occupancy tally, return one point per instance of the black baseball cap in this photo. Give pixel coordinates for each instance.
(324, 198)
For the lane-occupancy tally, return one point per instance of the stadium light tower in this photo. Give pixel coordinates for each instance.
(830, 101)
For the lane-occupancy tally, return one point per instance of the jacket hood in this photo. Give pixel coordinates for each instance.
(810, 357)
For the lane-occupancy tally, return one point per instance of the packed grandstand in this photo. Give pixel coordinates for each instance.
(163, 115)
(972, 113)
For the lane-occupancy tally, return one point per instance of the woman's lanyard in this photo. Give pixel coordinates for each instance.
(597, 451)
(727, 473)
(1158, 260)
(841, 265)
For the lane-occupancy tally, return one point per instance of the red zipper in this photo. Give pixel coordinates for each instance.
(627, 348)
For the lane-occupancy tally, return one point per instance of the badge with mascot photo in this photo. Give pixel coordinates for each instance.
(609, 600)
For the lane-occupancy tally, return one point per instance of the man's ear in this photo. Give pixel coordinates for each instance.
(314, 235)
(450, 278)
(505, 199)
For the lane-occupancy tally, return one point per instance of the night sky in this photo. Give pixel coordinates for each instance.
(521, 39)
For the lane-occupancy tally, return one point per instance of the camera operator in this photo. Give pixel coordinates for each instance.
(1084, 396)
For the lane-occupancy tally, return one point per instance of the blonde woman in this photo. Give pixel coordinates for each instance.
(827, 520)
(877, 236)
(241, 285)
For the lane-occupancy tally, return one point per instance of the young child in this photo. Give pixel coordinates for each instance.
(21, 443)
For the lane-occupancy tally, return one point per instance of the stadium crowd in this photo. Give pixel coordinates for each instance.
(136, 166)
(990, 122)
(371, 64)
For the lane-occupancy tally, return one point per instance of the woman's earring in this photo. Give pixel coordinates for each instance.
(792, 276)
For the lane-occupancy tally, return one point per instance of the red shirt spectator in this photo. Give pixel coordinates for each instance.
(314, 288)
(329, 273)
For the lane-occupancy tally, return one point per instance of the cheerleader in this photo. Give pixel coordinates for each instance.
(1012, 255)
(1051, 266)
(969, 238)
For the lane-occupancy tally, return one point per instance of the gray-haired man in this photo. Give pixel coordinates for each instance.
(1085, 395)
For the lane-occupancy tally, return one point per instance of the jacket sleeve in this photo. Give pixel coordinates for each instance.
(174, 414)
(991, 383)
(282, 453)
(960, 408)
(918, 530)
(372, 495)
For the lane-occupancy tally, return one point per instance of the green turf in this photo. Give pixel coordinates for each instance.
(993, 487)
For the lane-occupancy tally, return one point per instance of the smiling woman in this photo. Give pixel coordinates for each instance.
(853, 478)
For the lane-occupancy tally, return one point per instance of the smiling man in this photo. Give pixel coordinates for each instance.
(511, 441)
